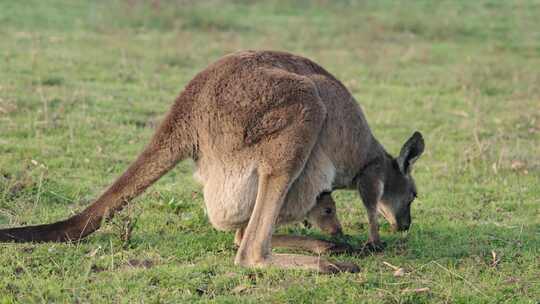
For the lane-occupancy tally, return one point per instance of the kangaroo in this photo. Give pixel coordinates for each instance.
(269, 132)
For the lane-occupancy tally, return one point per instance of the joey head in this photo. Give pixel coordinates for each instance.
(324, 215)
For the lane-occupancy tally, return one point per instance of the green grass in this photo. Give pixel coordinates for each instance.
(82, 84)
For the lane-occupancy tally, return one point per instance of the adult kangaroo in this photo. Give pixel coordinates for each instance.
(269, 132)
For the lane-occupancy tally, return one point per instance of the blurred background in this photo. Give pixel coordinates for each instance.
(84, 83)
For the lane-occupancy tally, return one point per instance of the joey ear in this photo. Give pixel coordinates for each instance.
(410, 152)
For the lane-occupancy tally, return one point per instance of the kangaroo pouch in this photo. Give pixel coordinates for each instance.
(230, 192)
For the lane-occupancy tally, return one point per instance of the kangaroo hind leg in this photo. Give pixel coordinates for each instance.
(255, 247)
(288, 152)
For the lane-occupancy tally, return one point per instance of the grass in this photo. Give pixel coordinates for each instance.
(83, 83)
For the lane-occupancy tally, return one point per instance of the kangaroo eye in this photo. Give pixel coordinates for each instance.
(328, 210)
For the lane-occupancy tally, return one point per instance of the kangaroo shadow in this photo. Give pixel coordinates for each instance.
(422, 243)
(455, 242)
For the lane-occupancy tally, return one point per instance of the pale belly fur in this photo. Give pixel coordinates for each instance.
(230, 193)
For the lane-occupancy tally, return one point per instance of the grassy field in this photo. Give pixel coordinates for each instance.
(83, 84)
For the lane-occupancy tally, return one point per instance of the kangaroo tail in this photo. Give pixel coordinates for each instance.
(171, 143)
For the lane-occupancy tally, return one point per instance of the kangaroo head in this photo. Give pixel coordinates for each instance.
(399, 189)
(324, 216)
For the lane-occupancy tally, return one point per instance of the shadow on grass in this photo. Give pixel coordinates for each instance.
(450, 243)
(457, 242)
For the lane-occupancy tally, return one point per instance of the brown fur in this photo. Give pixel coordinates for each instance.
(269, 131)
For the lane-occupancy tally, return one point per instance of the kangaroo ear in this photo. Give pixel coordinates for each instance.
(410, 152)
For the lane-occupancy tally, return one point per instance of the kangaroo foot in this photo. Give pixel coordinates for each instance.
(295, 261)
(309, 244)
